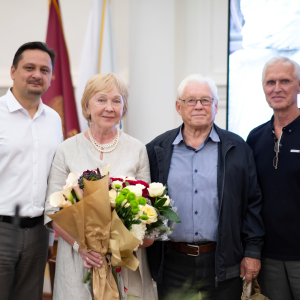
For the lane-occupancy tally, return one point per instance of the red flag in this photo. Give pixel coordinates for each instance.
(60, 95)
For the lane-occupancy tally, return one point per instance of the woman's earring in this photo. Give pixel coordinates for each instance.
(120, 124)
(89, 121)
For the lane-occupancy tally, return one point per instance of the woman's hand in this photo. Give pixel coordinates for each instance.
(91, 259)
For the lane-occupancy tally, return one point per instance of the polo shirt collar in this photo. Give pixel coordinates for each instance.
(213, 135)
(13, 104)
(290, 127)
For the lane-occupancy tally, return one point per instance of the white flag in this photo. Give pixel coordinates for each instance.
(92, 61)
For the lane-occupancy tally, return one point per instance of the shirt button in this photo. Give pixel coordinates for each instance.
(196, 233)
(196, 171)
(196, 213)
(34, 162)
(290, 130)
(196, 192)
(35, 182)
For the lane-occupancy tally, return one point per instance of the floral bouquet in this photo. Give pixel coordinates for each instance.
(148, 204)
(119, 218)
(87, 216)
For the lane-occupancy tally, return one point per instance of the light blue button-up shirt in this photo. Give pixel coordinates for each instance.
(192, 184)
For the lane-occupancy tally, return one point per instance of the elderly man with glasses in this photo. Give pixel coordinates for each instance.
(211, 177)
(276, 148)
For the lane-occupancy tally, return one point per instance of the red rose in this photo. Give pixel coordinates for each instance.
(116, 179)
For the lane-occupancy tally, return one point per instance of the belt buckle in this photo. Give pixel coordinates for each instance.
(198, 250)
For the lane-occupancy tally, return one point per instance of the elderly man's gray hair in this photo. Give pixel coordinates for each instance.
(198, 78)
(286, 62)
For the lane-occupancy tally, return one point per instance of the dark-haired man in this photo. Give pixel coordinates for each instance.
(30, 133)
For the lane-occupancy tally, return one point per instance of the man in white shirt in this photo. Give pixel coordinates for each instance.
(30, 133)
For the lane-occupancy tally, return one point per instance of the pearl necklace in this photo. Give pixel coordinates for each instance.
(102, 147)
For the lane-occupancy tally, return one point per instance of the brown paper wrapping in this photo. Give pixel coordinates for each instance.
(121, 244)
(91, 223)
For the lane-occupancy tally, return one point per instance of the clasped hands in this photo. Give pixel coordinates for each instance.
(94, 259)
(249, 268)
(91, 259)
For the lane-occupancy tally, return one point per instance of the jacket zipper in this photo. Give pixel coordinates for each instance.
(216, 261)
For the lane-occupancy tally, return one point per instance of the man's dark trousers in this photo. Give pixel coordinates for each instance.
(23, 257)
(184, 277)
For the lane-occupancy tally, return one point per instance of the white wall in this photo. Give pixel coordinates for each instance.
(158, 43)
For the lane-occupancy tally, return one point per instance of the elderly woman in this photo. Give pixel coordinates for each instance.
(104, 104)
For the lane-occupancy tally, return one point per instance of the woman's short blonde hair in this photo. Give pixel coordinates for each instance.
(104, 82)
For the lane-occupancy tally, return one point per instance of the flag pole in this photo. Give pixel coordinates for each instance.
(101, 34)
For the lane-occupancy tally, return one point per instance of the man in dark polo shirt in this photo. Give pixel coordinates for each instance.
(276, 147)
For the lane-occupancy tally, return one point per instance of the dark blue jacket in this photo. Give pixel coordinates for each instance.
(240, 228)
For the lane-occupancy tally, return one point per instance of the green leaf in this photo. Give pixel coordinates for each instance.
(127, 183)
(165, 208)
(74, 195)
(165, 192)
(170, 215)
(152, 226)
(136, 222)
(160, 202)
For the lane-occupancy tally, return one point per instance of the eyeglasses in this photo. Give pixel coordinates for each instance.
(276, 149)
(192, 102)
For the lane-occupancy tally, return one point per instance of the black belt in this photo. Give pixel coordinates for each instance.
(24, 222)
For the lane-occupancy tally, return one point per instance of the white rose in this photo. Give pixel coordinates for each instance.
(150, 212)
(130, 178)
(136, 190)
(58, 199)
(167, 201)
(117, 182)
(104, 171)
(141, 186)
(112, 197)
(156, 189)
(138, 230)
(72, 180)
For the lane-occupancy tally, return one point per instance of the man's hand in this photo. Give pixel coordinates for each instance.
(249, 267)
(147, 242)
(50, 252)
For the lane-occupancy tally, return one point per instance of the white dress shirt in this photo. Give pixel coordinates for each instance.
(27, 148)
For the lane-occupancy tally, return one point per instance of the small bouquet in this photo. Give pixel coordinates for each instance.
(73, 190)
(143, 208)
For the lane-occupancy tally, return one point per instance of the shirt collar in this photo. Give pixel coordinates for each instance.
(213, 135)
(13, 104)
(291, 127)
